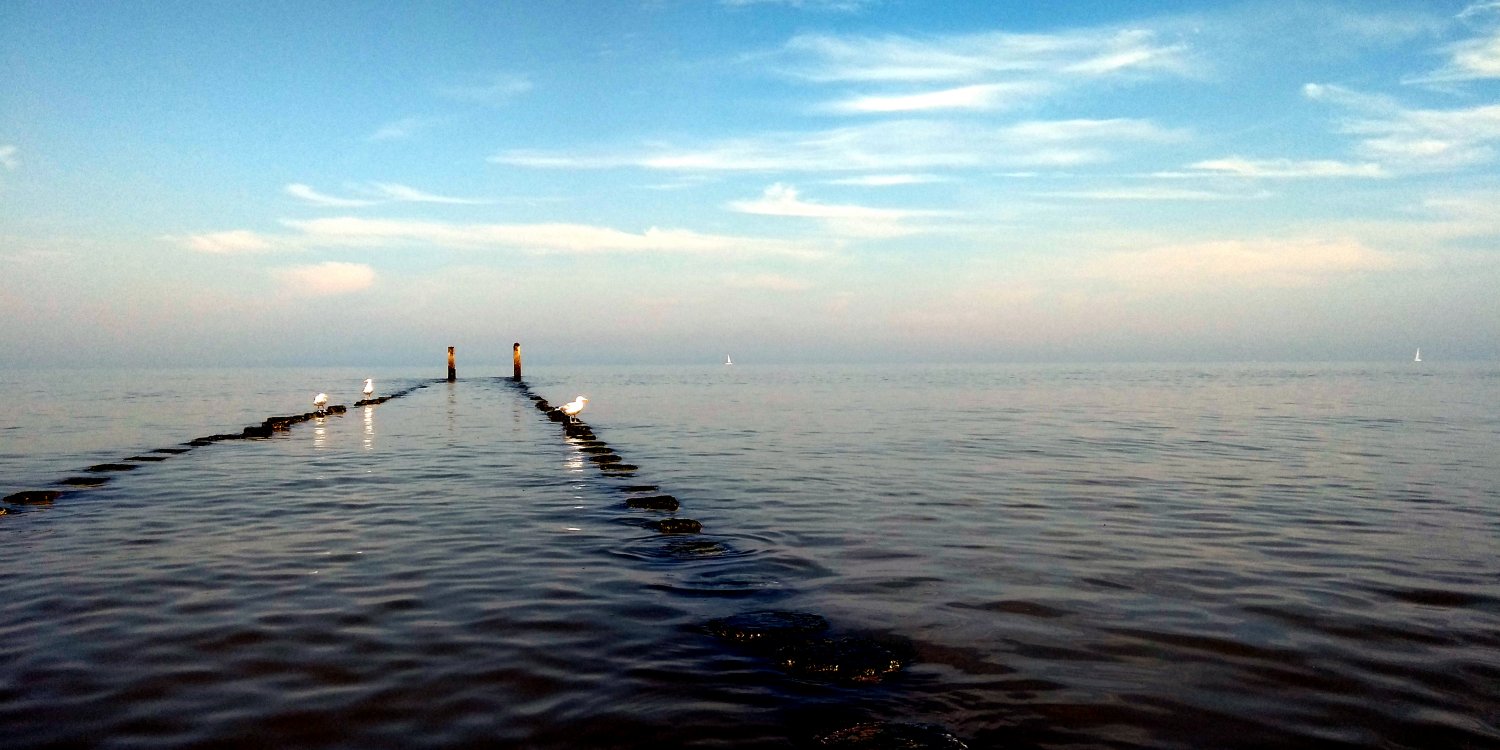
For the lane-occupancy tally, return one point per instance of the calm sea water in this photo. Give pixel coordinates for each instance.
(1077, 557)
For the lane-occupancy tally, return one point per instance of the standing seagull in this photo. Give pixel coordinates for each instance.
(572, 408)
(369, 388)
(320, 401)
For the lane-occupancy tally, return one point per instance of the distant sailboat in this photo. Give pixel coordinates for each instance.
(1418, 358)
(727, 360)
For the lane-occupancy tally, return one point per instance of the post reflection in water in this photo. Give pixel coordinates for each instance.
(369, 442)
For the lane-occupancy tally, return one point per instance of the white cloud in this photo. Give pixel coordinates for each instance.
(1416, 139)
(401, 129)
(1286, 168)
(982, 96)
(860, 221)
(977, 57)
(768, 282)
(306, 193)
(379, 193)
(326, 279)
(888, 180)
(227, 243)
(565, 238)
(1256, 262)
(892, 146)
(8, 157)
(1151, 194)
(497, 91)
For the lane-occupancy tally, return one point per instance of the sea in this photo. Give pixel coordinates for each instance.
(1060, 556)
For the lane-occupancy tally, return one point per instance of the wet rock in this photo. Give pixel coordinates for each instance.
(639, 488)
(84, 481)
(258, 431)
(101, 468)
(199, 443)
(652, 502)
(337, 409)
(557, 416)
(171, 451)
(768, 629)
(3, 511)
(844, 659)
(691, 548)
(32, 497)
(146, 459)
(883, 735)
(599, 448)
(676, 526)
(618, 468)
(606, 458)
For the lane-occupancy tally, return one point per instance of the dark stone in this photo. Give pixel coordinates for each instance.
(639, 488)
(621, 469)
(676, 526)
(767, 629)
(337, 409)
(3, 511)
(84, 481)
(598, 447)
(606, 458)
(32, 497)
(652, 502)
(100, 468)
(199, 443)
(556, 416)
(258, 431)
(172, 451)
(883, 735)
(146, 459)
(845, 659)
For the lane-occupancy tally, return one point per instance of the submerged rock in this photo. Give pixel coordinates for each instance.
(845, 659)
(606, 458)
(171, 451)
(883, 735)
(652, 502)
(146, 459)
(768, 629)
(597, 448)
(258, 431)
(618, 468)
(94, 481)
(676, 526)
(639, 488)
(32, 497)
(101, 468)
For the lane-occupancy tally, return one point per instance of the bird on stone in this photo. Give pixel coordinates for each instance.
(369, 388)
(572, 408)
(320, 401)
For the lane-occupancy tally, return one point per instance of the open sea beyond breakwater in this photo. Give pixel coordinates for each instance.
(1180, 556)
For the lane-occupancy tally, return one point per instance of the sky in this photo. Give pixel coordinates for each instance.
(671, 181)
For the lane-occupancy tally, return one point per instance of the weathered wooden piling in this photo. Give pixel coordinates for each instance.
(452, 371)
(515, 350)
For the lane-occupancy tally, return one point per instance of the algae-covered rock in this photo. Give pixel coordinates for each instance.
(676, 526)
(844, 659)
(652, 502)
(768, 629)
(883, 735)
(32, 497)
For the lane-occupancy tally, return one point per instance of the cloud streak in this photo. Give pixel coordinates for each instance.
(862, 221)
(377, 193)
(8, 157)
(1416, 140)
(326, 279)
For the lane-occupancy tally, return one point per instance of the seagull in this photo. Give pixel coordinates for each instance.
(320, 401)
(369, 388)
(572, 408)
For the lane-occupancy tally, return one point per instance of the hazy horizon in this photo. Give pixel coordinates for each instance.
(787, 181)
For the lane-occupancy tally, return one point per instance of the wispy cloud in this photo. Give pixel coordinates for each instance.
(979, 96)
(984, 57)
(544, 238)
(229, 242)
(498, 90)
(8, 157)
(1475, 58)
(1415, 139)
(862, 221)
(401, 129)
(768, 282)
(1151, 194)
(306, 193)
(1285, 168)
(326, 279)
(839, 6)
(888, 180)
(377, 193)
(893, 146)
(1297, 261)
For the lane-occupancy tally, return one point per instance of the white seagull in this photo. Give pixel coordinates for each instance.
(320, 401)
(369, 388)
(572, 408)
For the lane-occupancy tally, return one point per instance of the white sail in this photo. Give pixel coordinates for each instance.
(1418, 358)
(727, 360)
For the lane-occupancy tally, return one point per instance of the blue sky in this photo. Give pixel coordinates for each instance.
(845, 180)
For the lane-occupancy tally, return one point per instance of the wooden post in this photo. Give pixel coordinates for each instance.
(452, 371)
(516, 355)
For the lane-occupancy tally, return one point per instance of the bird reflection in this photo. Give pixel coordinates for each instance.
(369, 442)
(320, 433)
